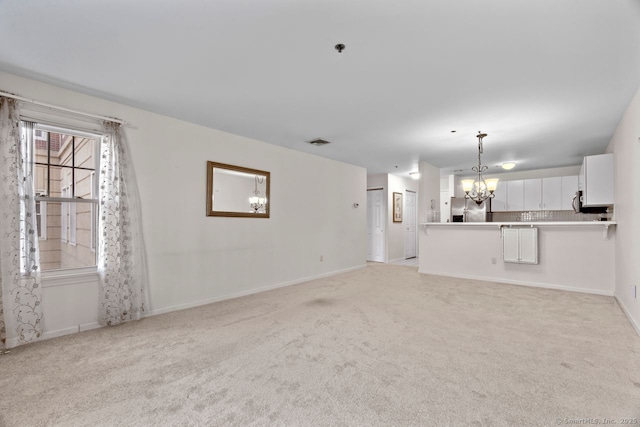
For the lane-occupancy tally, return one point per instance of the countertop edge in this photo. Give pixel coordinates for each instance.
(524, 224)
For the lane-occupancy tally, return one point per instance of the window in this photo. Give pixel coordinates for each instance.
(65, 164)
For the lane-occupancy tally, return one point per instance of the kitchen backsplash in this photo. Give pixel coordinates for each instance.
(535, 216)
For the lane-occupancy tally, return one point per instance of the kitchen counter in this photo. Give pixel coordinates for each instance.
(604, 224)
(509, 224)
(572, 255)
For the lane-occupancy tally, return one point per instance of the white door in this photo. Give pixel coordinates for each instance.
(410, 214)
(375, 225)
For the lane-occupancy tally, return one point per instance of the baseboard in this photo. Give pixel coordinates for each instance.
(249, 292)
(58, 333)
(89, 326)
(391, 261)
(627, 313)
(523, 283)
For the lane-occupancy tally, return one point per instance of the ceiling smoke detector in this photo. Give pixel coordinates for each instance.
(319, 142)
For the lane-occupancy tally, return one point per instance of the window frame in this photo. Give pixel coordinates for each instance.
(68, 204)
(41, 217)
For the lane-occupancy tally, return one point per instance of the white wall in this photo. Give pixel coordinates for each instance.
(195, 259)
(429, 190)
(625, 145)
(377, 181)
(574, 258)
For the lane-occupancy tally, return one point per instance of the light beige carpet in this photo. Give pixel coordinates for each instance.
(379, 346)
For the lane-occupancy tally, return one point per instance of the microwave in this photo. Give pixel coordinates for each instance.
(578, 208)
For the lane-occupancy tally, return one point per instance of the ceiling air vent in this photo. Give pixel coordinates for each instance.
(318, 142)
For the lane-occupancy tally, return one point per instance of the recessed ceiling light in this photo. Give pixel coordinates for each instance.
(508, 166)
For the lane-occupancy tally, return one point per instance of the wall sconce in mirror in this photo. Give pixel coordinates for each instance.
(237, 192)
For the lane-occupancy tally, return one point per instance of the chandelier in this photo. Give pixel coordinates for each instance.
(256, 202)
(479, 189)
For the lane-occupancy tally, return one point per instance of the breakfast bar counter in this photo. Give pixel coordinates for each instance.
(573, 255)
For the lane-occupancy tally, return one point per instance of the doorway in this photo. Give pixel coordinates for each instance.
(375, 225)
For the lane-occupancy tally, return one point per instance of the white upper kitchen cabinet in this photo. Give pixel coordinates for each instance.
(499, 200)
(596, 177)
(532, 196)
(515, 195)
(552, 193)
(569, 189)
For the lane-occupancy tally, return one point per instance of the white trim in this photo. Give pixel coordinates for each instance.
(57, 333)
(64, 216)
(66, 130)
(93, 228)
(86, 275)
(500, 280)
(73, 223)
(41, 217)
(391, 261)
(89, 326)
(627, 313)
(249, 292)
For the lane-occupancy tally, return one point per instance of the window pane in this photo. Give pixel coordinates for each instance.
(58, 251)
(68, 159)
(84, 184)
(85, 153)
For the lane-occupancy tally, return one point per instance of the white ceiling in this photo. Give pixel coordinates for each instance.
(548, 80)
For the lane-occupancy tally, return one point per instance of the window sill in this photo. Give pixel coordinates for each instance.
(69, 277)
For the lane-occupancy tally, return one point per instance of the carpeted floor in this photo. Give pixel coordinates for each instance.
(379, 346)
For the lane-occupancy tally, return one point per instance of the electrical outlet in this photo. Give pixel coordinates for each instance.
(494, 260)
(321, 258)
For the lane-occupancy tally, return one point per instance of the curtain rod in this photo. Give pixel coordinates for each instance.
(57, 107)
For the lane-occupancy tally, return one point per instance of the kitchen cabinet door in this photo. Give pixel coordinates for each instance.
(532, 196)
(569, 189)
(528, 247)
(520, 245)
(515, 195)
(552, 193)
(510, 244)
(499, 201)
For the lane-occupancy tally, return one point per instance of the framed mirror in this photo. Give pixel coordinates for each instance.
(236, 191)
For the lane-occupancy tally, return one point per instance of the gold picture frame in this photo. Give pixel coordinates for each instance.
(232, 191)
(397, 207)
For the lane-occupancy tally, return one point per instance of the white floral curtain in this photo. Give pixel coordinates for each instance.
(20, 287)
(121, 256)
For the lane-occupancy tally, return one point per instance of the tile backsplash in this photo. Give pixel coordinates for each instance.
(537, 216)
